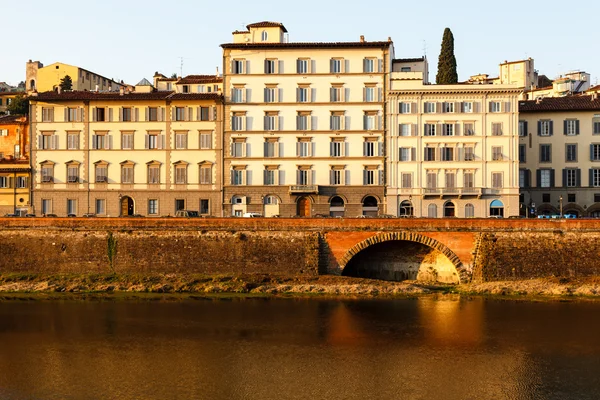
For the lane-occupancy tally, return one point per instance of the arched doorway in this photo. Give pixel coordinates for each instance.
(271, 205)
(496, 208)
(336, 207)
(304, 207)
(369, 207)
(449, 209)
(127, 207)
(406, 209)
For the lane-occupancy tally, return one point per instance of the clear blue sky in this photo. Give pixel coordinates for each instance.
(130, 39)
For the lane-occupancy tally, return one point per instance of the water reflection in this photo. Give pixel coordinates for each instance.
(411, 349)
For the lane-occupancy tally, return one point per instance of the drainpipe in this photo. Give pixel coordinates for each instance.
(14, 192)
(31, 139)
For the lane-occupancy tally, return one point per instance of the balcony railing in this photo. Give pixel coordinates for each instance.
(296, 189)
(452, 191)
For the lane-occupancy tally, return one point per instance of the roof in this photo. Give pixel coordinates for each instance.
(116, 96)
(238, 32)
(83, 69)
(569, 103)
(408, 60)
(12, 119)
(143, 82)
(322, 45)
(192, 79)
(166, 79)
(267, 24)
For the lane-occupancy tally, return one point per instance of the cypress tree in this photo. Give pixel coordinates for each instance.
(66, 83)
(447, 62)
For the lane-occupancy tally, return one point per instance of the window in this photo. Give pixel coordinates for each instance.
(522, 128)
(467, 107)
(100, 206)
(71, 114)
(270, 66)
(448, 107)
(336, 147)
(237, 122)
(429, 130)
(336, 176)
(153, 207)
(185, 89)
(101, 173)
(101, 141)
(238, 147)
(48, 141)
(302, 94)
(545, 178)
(370, 148)
(404, 130)
(522, 153)
(335, 121)
(270, 93)
(469, 152)
(369, 64)
(596, 127)
(406, 180)
(100, 114)
(302, 65)
(127, 174)
(447, 129)
(152, 113)
(545, 152)
(335, 94)
(469, 210)
(570, 177)
(204, 206)
(127, 140)
(404, 108)
(269, 175)
(335, 65)
(181, 174)
(497, 153)
(270, 121)
(496, 129)
(429, 107)
(237, 176)
(204, 114)
(271, 147)
(264, 36)
(544, 128)
(369, 176)
(71, 207)
(237, 95)
(126, 114)
(47, 173)
(571, 127)
(47, 114)
(181, 140)
(46, 206)
(21, 182)
(432, 211)
(468, 180)
(431, 180)
(153, 174)
(497, 180)
(404, 154)
(522, 178)
(447, 154)
(72, 140)
(206, 174)
(369, 121)
(571, 198)
(595, 152)
(429, 154)
(495, 107)
(450, 180)
(180, 114)
(205, 140)
(595, 179)
(304, 176)
(545, 197)
(154, 141)
(468, 129)
(238, 67)
(571, 152)
(302, 121)
(304, 147)
(370, 94)
(72, 173)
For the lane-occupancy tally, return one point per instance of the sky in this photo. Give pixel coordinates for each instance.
(130, 39)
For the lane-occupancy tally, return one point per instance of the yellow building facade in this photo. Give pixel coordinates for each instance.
(15, 172)
(123, 154)
(42, 78)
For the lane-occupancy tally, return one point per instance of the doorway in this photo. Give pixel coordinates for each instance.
(126, 206)
(304, 207)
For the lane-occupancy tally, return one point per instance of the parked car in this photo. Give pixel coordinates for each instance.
(187, 214)
(11, 215)
(89, 215)
(50, 215)
(252, 215)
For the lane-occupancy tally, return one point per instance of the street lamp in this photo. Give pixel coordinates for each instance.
(560, 202)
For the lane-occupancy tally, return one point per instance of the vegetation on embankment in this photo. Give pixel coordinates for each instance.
(111, 285)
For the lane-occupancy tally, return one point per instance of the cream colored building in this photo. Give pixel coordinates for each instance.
(118, 154)
(304, 128)
(42, 78)
(519, 73)
(189, 83)
(559, 147)
(452, 149)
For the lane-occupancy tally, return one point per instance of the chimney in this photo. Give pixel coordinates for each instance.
(217, 72)
(59, 89)
(594, 96)
(362, 38)
(122, 91)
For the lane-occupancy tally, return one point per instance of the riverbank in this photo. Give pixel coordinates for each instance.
(106, 285)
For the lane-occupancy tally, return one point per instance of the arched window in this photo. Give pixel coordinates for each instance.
(469, 211)
(264, 36)
(432, 211)
(336, 207)
(497, 208)
(369, 208)
(271, 200)
(406, 208)
(32, 84)
(449, 210)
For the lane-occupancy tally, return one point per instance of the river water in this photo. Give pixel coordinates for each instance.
(425, 348)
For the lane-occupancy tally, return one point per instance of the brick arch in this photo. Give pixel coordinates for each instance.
(463, 274)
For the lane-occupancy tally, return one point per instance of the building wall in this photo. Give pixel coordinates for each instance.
(14, 165)
(48, 78)
(483, 165)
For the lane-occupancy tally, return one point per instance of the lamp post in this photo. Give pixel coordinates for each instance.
(560, 202)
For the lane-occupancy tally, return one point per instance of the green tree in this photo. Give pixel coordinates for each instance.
(447, 62)
(19, 105)
(174, 75)
(66, 83)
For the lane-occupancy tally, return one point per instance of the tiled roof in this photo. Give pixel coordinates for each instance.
(166, 79)
(267, 24)
(193, 79)
(569, 103)
(408, 60)
(116, 96)
(238, 32)
(322, 45)
(12, 119)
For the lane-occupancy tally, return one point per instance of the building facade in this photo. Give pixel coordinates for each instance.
(120, 154)
(42, 78)
(559, 151)
(451, 149)
(15, 173)
(304, 126)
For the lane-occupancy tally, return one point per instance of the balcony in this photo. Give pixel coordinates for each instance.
(452, 191)
(304, 189)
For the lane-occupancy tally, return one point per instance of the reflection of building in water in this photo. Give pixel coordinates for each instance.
(452, 321)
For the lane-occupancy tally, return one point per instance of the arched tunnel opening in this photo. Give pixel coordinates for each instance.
(400, 260)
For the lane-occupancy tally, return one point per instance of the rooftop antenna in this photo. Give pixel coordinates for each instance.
(181, 67)
(425, 48)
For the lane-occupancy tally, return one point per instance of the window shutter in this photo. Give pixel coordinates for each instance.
(364, 176)
(565, 127)
(10, 182)
(364, 94)
(490, 106)
(266, 66)
(298, 177)
(379, 149)
(591, 152)
(147, 114)
(313, 149)
(379, 123)
(457, 107)
(331, 67)
(551, 127)
(313, 177)
(331, 148)
(280, 149)
(365, 148)
(538, 178)
(265, 91)
(190, 114)
(281, 177)
(94, 112)
(280, 71)
(577, 127)
(297, 149)
(527, 178)
(66, 114)
(247, 71)
(265, 148)
(248, 153)
(313, 95)
(40, 142)
(346, 66)
(456, 129)
(279, 95)
(564, 177)
(347, 124)
(379, 65)
(539, 128)
(380, 96)
(331, 94)
(591, 177)
(346, 149)
(347, 94)
(331, 177)
(413, 154)
(161, 141)
(121, 114)
(81, 114)
(248, 177)
(414, 130)
(380, 177)
(107, 140)
(552, 177)
(135, 112)
(347, 177)
(54, 142)
(147, 141)
(314, 124)
(476, 107)
(578, 177)
(507, 106)
(94, 142)
(365, 61)
(280, 123)
(313, 66)
(525, 128)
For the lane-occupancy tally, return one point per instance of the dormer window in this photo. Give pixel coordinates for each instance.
(263, 36)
